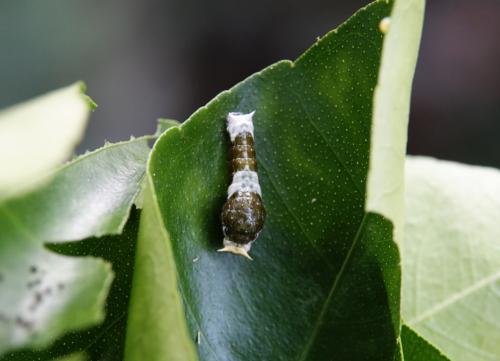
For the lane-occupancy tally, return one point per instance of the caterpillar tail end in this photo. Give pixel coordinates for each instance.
(236, 249)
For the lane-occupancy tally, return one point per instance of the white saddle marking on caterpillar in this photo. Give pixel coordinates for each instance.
(244, 181)
(239, 123)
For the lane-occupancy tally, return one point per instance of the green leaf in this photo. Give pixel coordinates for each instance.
(102, 186)
(451, 257)
(73, 357)
(415, 348)
(44, 294)
(385, 186)
(155, 297)
(37, 135)
(324, 283)
(107, 340)
(390, 114)
(165, 124)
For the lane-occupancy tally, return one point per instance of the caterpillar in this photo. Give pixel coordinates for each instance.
(243, 214)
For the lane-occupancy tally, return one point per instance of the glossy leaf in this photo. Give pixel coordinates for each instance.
(415, 348)
(37, 135)
(324, 283)
(155, 275)
(451, 257)
(44, 294)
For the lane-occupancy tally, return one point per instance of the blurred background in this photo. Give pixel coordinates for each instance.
(143, 60)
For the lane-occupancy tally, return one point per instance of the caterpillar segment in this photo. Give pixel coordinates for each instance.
(243, 213)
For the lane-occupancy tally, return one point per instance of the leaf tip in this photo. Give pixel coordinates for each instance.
(83, 91)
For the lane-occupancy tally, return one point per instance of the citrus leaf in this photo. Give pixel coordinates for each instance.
(324, 283)
(37, 135)
(155, 275)
(415, 348)
(165, 124)
(44, 294)
(106, 341)
(385, 185)
(90, 196)
(451, 257)
(385, 189)
(73, 357)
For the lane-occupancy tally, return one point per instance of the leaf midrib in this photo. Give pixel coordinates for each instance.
(326, 304)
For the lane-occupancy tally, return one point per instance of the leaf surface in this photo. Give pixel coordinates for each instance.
(155, 275)
(451, 257)
(324, 283)
(39, 134)
(106, 341)
(415, 348)
(45, 294)
(385, 193)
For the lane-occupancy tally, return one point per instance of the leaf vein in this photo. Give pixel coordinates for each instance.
(455, 298)
(314, 332)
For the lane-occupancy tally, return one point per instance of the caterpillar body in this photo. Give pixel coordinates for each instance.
(243, 213)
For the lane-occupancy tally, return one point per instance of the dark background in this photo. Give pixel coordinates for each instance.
(148, 59)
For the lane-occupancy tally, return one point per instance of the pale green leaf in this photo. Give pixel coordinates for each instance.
(44, 294)
(385, 193)
(37, 135)
(451, 257)
(165, 124)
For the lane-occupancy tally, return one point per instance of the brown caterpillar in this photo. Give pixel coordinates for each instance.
(243, 213)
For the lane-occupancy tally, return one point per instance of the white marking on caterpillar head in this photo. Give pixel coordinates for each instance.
(244, 181)
(235, 248)
(239, 123)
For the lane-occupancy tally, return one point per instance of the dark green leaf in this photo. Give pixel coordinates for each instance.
(415, 348)
(73, 357)
(324, 283)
